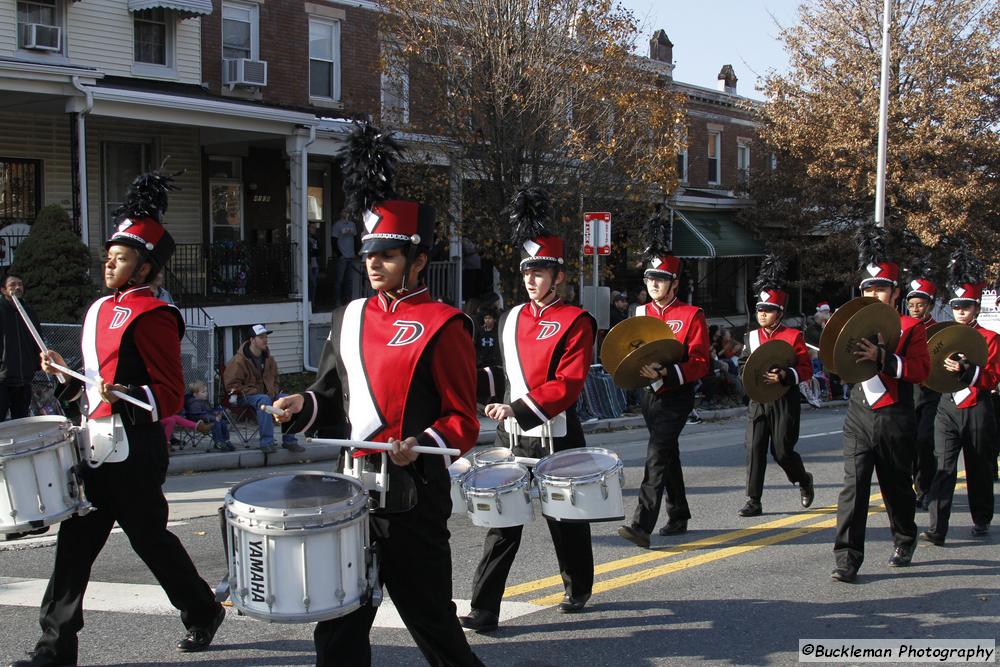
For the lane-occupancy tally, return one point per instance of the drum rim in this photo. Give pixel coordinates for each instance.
(539, 470)
(10, 446)
(509, 487)
(477, 464)
(330, 514)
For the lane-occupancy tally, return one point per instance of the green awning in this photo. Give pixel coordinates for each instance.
(709, 234)
(184, 9)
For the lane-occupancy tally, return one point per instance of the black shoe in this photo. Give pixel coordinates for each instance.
(572, 605)
(752, 508)
(933, 538)
(901, 556)
(198, 639)
(43, 659)
(845, 575)
(694, 420)
(480, 620)
(293, 447)
(223, 446)
(674, 528)
(10, 537)
(636, 536)
(807, 491)
(980, 529)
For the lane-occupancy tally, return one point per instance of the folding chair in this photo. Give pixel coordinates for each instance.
(242, 418)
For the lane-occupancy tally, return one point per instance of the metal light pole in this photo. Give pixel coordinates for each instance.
(883, 116)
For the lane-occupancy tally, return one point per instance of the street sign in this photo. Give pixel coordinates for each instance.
(597, 233)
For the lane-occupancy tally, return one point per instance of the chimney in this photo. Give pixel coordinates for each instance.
(727, 80)
(660, 47)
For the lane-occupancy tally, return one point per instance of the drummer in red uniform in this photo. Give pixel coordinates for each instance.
(670, 396)
(131, 340)
(547, 346)
(408, 364)
(776, 423)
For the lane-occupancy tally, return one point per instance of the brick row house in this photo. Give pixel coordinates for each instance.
(251, 100)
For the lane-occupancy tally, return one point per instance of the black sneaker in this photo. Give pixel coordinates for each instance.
(846, 575)
(223, 447)
(933, 538)
(980, 529)
(199, 639)
(674, 528)
(695, 419)
(752, 508)
(480, 620)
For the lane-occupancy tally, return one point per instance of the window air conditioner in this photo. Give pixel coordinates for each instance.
(244, 72)
(40, 37)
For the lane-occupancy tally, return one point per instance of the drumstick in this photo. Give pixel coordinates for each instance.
(34, 332)
(83, 378)
(271, 410)
(526, 461)
(381, 446)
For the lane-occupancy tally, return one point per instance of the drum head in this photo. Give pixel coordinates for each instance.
(498, 476)
(493, 455)
(459, 468)
(576, 463)
(32, 432)
(299, 491)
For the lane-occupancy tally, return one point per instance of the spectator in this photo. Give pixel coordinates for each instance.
(18, 353)
(159, 291)
(619, 307)
(729, 350)
(814, 329)
(252, 374)
(173, 421)
(641, 300)
(343, 234)
(488, 341)
(197, 406)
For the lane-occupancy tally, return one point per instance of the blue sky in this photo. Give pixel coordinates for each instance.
(709, 34)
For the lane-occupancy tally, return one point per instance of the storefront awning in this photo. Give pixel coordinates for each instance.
(184, 8)
(711, 234)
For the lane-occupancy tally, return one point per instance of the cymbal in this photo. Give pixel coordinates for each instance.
(828, 339)
(666, 351)
(868, 322)
(629, 335)
(937, 326)
(947, 341)
(763, 359)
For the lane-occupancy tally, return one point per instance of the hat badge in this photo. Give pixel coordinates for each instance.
(873, 270)
(960, 291)
(764, 296)
(656, 263)
(915, 284)
(531, 247)
(371, 220)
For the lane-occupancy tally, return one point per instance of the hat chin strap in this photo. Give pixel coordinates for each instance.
(411, 256)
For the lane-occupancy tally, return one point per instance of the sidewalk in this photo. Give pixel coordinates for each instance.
(199, 460)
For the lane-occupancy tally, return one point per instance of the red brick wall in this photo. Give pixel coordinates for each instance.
(731, 133)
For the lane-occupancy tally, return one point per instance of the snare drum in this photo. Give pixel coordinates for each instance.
(298, 546)
(497, 496)
(581, 484)
(492, 455)
(457, 471)
(38, 481)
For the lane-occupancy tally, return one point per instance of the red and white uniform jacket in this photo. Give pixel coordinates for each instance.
(688, 324)
(981, 379)
(547, 353)
(801, 370)
(397, 368)
(131, 338)
(908, 365)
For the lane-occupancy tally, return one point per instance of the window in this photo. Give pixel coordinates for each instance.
(153, 34)
(714, 145)
(772, 161)
(20, 190)
(122, 162)
(396, 91)
(240, 23)
(324, 59)
(225, 193)
(38, 12)
(743, 164)
(682, 166)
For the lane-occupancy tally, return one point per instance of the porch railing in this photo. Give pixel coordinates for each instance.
(228, 273)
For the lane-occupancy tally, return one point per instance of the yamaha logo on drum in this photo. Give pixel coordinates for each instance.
(257, 572)
(407, 332)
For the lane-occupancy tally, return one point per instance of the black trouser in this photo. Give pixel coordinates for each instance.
(16, 398)
(971, 431)
(773, 426)
(924, 461)
(665, 416)
(129, 493)
(574, 552)
(879, 441)
(415, 566)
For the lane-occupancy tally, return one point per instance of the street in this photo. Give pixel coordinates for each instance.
(731, 591)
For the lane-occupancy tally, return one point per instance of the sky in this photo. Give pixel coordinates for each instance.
(709, 34)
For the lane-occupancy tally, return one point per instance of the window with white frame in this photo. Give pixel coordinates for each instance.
(240, 30)
(743, 164)
(121, 162)
(39, 25)
(396, 91)
(225, 195)
(714, 148)
(153, 34)
(324, 58)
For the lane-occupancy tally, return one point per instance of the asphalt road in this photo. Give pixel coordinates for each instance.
(731, 591)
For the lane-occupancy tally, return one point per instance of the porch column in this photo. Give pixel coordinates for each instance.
(454, 234)
(298, 158)
(77, 109)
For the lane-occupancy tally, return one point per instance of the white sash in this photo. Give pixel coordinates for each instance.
(362, 409)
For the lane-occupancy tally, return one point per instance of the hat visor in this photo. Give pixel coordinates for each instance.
(961, 303)
(532, 263)
(768, 307)
(125, 241)
(876, 282)
(655, 273)
(919, 295)
(378, 245)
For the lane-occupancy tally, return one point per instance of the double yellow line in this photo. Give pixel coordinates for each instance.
(791, 531)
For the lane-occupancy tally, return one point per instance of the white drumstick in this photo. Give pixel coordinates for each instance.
(526, 461)
(381, 446)
(83, 378)
(271, 410)
(33, 331)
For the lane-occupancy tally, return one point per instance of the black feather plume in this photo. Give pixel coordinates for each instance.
(147, 195)
(964, 267)
(528, 209)
(654, 233)
(871, 243)
(368, 163)
(771, 274)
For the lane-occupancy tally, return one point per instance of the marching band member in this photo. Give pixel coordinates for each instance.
(965, 419)
(920, 302)
(775, 424)
(670, 398)
(408, 365)
(131, 341)
(880, 426)
(547, 346)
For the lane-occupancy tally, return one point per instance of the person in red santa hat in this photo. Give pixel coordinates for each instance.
(881, 425)
(920, 303)
(965, 420)
(547, 346)
(775, 425)
(409, 366)
(670, 395)
(131, 341)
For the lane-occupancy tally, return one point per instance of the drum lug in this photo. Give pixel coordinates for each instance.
(604, 487)
(572, 493)
(496, 496)
(305, 602)
(270, 601)
(543, 494)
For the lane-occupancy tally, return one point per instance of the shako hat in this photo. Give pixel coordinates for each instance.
(657, 259)
(539, 247)
(139, 218)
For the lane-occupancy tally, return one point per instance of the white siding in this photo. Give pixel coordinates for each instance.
(8, 20)
(286, 345)
(46, 138)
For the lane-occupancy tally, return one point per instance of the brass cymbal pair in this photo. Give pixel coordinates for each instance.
(862, 318)
(772, 354)
(634, 343)
(945, 339)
